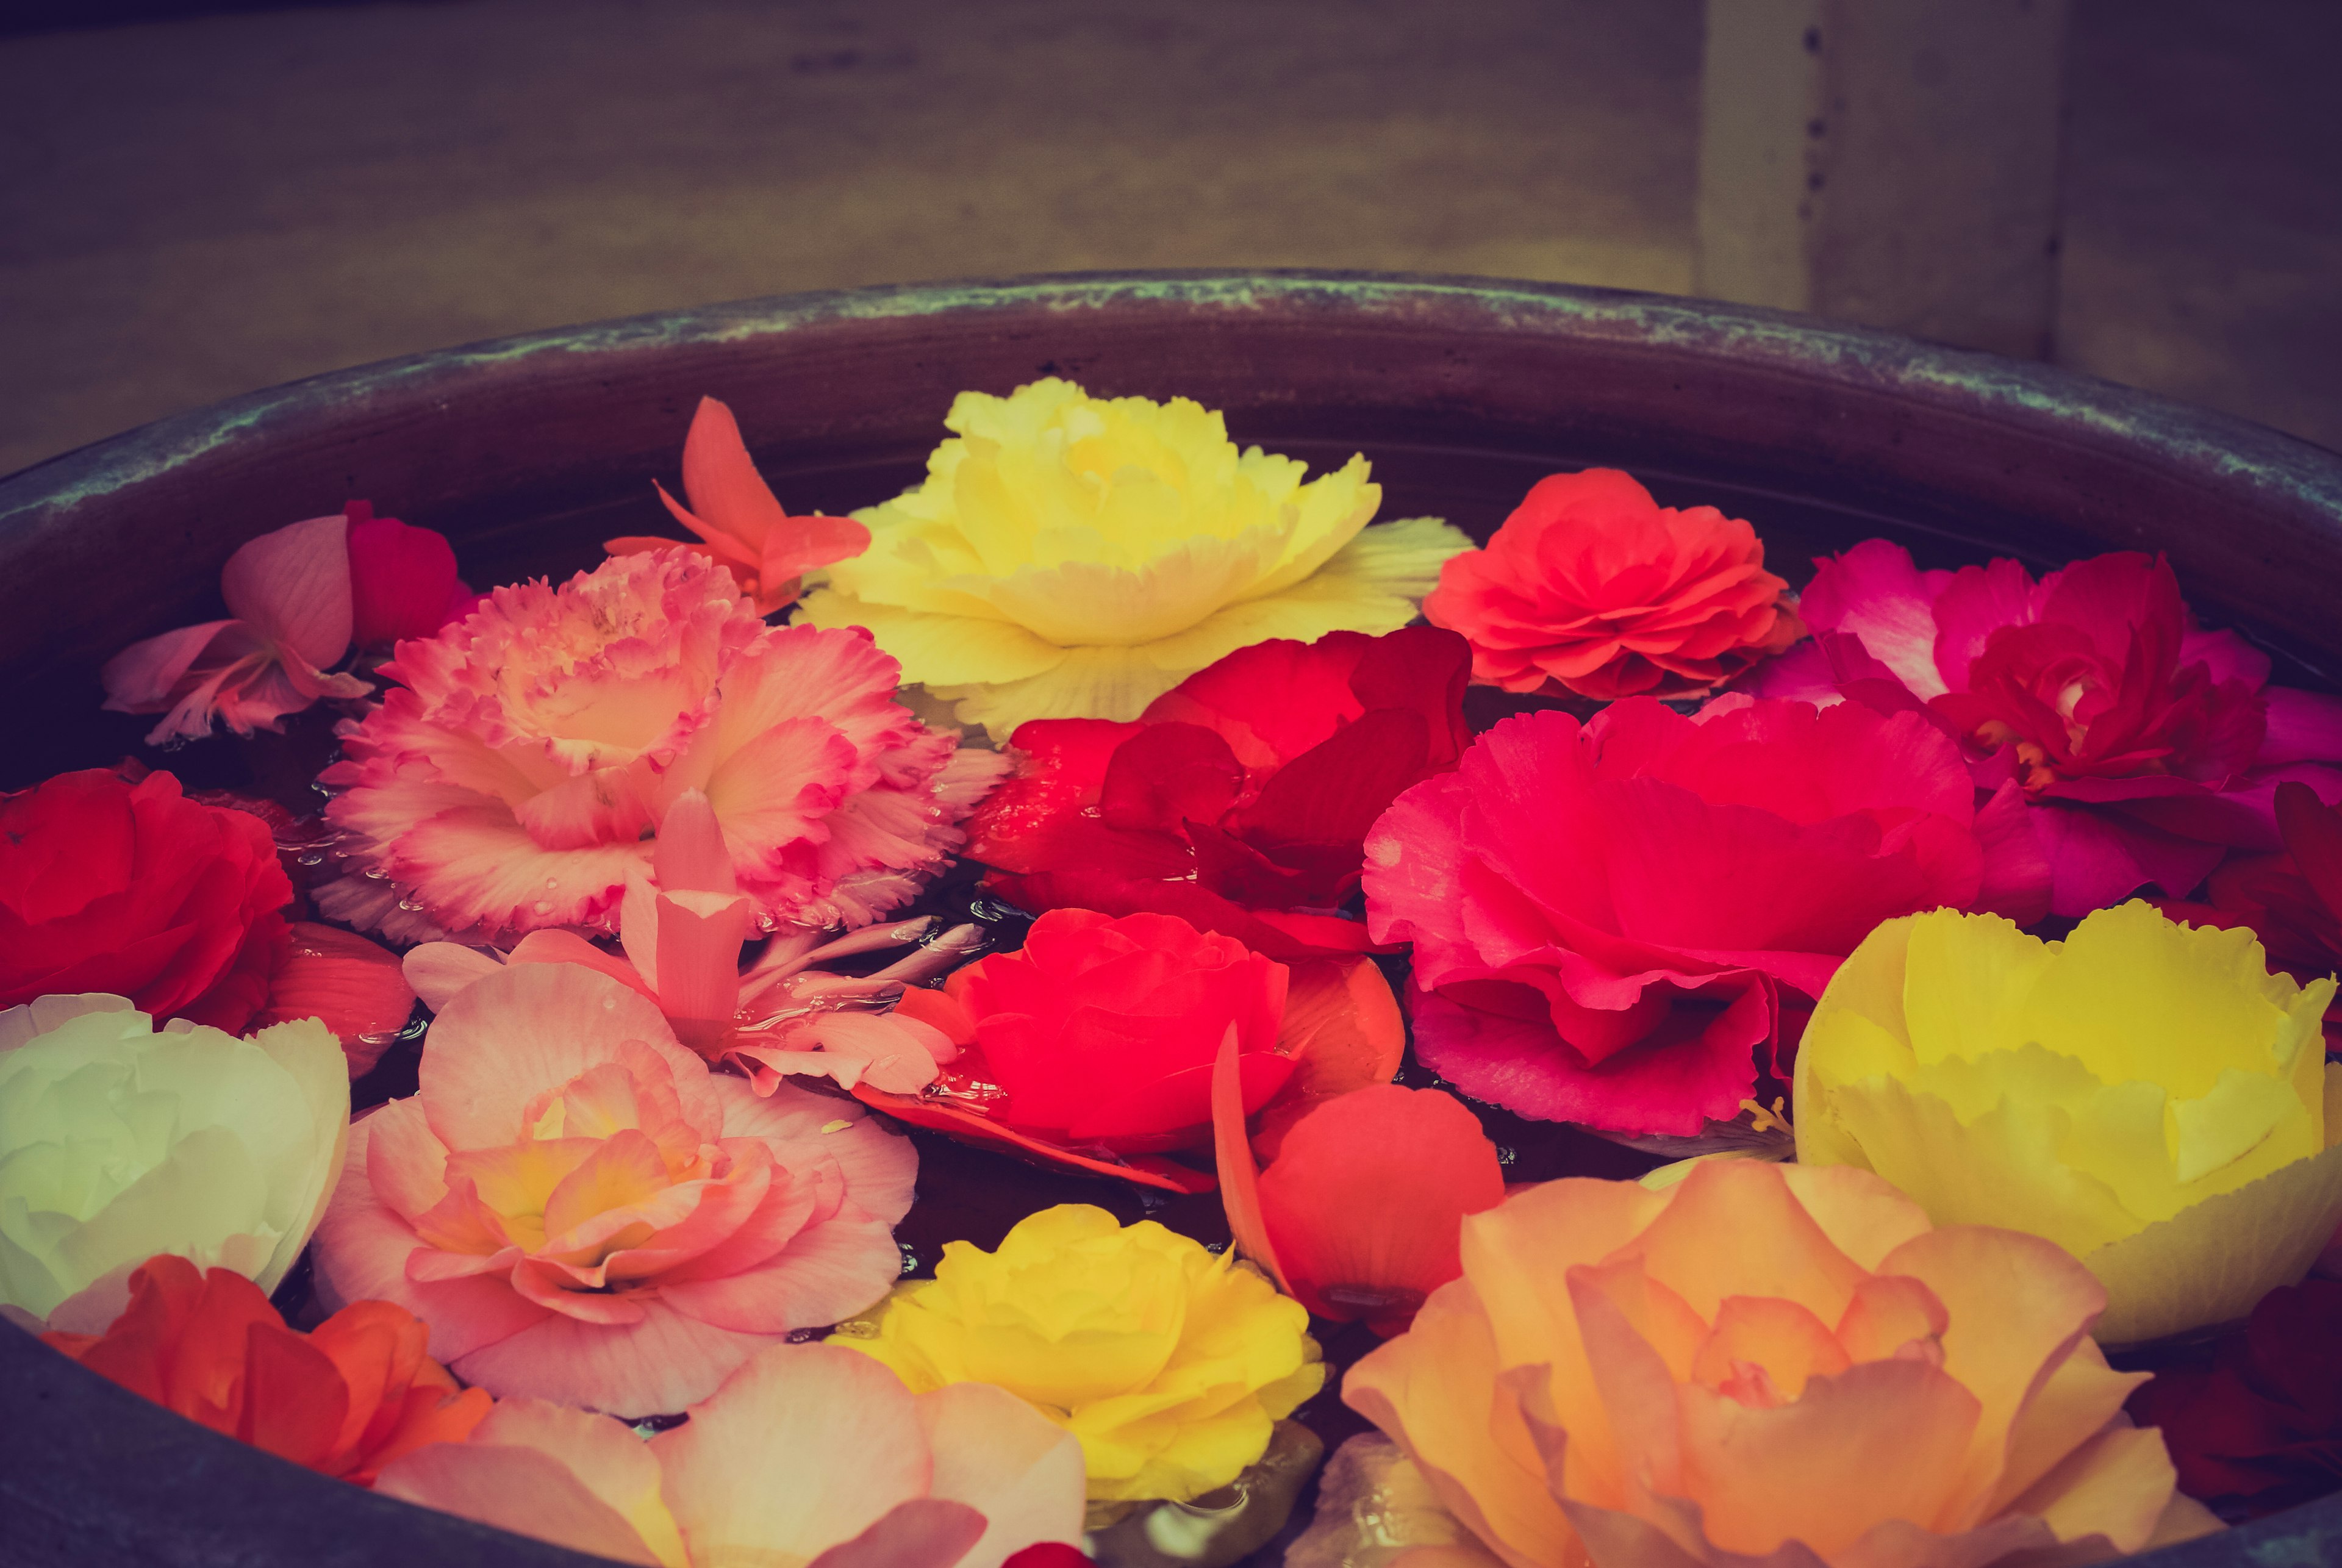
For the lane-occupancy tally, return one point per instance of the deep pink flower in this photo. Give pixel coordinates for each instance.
(515, 774)
(1610, 920)
(2146, 746)
(403, 581)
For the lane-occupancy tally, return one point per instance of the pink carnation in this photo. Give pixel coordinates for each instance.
(517, 772)
(1616, 923)
(582, 1213)
(2146, 746)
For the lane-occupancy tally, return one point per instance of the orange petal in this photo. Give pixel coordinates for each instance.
(1343, 1026)
(1366, 1201)
(974, 1127)
(625, 1170)
(140, 1344)
(802, 544)
(722, 480)
(295, 1401)
(205, 1376)
(358, 987)
(1787, 1343)
(938, 1010)
(925, 1532)
(1740, 1221)
(1239, 1177)
(1887, 1315)
(526, 1490)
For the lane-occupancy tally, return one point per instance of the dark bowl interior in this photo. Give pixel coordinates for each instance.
(529, 452)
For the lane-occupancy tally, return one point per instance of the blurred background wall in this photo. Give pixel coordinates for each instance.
(195, 202)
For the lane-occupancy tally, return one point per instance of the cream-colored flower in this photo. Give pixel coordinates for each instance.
(1072, 556)
(119, 1141)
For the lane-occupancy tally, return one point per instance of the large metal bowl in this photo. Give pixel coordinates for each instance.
(530, 451)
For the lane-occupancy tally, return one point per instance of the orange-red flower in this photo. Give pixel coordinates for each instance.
(1593, 586)
(343, 1400)
(740, 524)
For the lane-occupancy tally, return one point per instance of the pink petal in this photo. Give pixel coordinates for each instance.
(524, 1490)
(401, 582)
(438, 969)
(925, 1532)
(803, 1448)
(2097, 859)
(486, 872)
(829, 1271)
(1976, 602)
(1874, 592)
(690, 853)
(722, 480)
(2226, 655)
(881, 1165)
(2018, 875)
(293, 586)
(140, 678)
(568, 947)
(699, 956)
(355, 986)
(2303, 727)
(995, 1452)
(655, 1366)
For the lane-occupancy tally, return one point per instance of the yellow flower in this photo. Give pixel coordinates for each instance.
(2143, 1093)
(1071, 557)
(1168, 1364)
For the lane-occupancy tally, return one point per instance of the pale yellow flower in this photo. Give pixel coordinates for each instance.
(1170, 1365)
(1071, 557)
(2143, 1093)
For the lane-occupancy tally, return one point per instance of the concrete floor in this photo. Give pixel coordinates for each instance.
(192, 209)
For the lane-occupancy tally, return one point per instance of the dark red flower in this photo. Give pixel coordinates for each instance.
(2261, 1430)
(2291, 900)
(1239, 800)
(403, 580)
(111, 885)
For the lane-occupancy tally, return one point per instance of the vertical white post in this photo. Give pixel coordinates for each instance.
(1887, 162)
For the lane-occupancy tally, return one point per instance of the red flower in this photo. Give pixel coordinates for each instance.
(2292, 899)
(2145, 748)
(133, 889)
(1611, 919)
(403, 581)
(1592, 586)
(2262, 1429)
(1238, 801)
(343, 1400)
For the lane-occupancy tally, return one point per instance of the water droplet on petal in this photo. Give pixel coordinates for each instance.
(552, 882)
(542, 907)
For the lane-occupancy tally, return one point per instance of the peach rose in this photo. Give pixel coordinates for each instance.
(582, 1213)
(1592, 586)
(1766, 1363)
(517, 773)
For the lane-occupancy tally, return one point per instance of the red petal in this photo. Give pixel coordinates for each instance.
(973, 1128)
(402, 581)
(1344, 1029)
(2313, 833)
(1240, 1178)
(1422, 670)
(1272, 701)
(294, 1400)
(355, 985)
(1167, 775)
(1061, 766)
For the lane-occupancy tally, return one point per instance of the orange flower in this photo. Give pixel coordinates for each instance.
(1761, 1356)
(740, 524)
(344, 1400)
(1593, 586)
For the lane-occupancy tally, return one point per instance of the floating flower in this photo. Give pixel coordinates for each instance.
(1239, 799)
(805, 1456)
(350, 985)
(2143, 1093)
(119, 1141)
(1611, 919)
(1710, 1374)
(2146, 746)
(582, 1213)
(682, 927)
(1358, 1214)
(2260, 1429)
(107, 885)
(403, 581)
(2292, 899)
(514, 777)
(344, 1399)
(1591, 586)
(1071, 557)
(1170, 1365)
(740, 524)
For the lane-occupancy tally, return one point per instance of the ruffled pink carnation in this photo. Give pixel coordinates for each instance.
(517, 772)
(582, 1213)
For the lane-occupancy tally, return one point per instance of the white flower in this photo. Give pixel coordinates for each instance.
(118, 1142)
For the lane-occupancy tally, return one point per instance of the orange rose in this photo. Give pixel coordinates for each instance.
(1761, 1356)
(1592, 585)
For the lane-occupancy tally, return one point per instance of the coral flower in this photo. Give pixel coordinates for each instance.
(740, 524)
(1591, 586)
(1611, 919)
(806, 1457)
(582, 1213)
(1171, 1365)
(1713, 1375)
(344, 1399)
(2146, 746)
(1239, 799)
(1071, 557)
(514, 778)
(2143, 1093)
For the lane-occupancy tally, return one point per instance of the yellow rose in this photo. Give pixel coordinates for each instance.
(1071, 557)
(119, 1141)
(2143, 1093)
(1170, 1365)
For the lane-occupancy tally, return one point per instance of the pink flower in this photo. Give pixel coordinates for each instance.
(2145, 746)
(1616, 923)
(681, 928)
(582, 1213)
(809, 1455)
(514, 778)
(740, 524)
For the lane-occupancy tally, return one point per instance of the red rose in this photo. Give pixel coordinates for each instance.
(1101, 1032)
(1592, 586)
(1239, 800)
(133, 889)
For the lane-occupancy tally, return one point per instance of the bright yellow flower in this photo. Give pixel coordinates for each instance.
(1071, 557)
(2143, 1093)
(1170, 1365)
